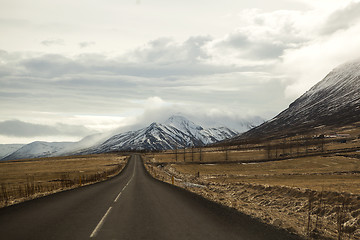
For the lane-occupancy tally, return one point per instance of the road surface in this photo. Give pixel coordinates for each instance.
(134, 206)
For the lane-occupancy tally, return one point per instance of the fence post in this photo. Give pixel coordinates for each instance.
(176, 156)
(80, 182)
(192, 153)
(184, 154)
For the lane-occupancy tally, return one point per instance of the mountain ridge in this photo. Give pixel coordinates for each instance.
(334, 101)
(176, 131)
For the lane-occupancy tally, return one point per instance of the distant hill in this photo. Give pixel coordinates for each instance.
(7, 149)
(38, 149)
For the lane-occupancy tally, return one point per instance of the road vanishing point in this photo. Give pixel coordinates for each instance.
(132, 205)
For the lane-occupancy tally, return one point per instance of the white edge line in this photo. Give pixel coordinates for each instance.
(94, 233)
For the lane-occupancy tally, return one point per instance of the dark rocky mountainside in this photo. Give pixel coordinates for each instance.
(334, 101)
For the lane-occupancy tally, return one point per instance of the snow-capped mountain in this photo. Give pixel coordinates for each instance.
(334, 101)
(176, 132)
(38, 149)
(7, 149)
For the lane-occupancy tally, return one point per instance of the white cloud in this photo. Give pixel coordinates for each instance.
(18, 128)
(154, 102)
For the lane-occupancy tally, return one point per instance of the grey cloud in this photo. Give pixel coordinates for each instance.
(161, 57)
(267, 50)
(52, 42)
(165, 50)
(255, 49)
(51, 65)
(236, 40)
(94, 83)
(194, 47)
(23, 129)
(86, 44)
(342, 19)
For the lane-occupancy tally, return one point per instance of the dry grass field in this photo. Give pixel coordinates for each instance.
(274, 150)
(304, 184)
(316, 197)
(29, 178)
(331, 173)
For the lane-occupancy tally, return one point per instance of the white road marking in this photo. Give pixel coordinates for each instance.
(94, 233)
(117, 198)
(96, 230)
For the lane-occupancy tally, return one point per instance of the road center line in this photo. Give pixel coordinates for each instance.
(96, 230)
(94, 233)
(116, 199)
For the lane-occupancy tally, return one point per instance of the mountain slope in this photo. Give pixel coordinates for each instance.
(7, 149)
(38, 149)
(334, 101)
(177, 131)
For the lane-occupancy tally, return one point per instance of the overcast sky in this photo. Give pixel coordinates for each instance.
(71, 68)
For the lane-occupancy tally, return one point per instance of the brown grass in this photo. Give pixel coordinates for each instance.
(23, 179)
(334, 173)
(305, 189)
(315, 202)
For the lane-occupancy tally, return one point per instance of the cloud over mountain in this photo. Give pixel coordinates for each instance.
(250, 57)
(23, 129)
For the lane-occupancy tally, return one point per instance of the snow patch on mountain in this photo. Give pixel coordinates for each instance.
(333, 101)
(7, 149)
(176, 132)
(38, 149)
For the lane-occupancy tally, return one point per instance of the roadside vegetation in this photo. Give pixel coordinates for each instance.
(27, 179)
(306, 184)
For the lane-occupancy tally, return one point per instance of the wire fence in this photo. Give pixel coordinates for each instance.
(11, 193)
(285, 149)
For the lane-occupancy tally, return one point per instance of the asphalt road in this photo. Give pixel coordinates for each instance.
(133, 206)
